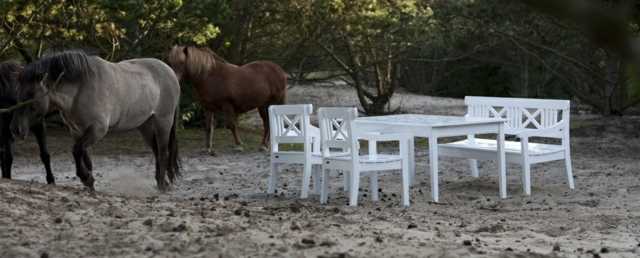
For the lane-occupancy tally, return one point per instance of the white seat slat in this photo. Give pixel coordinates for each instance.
(535, 149)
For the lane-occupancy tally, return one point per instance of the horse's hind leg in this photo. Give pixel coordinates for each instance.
(149, 136)
(208, 131)
(231, 124)
(264, 114)
(81, 153)
(39, 130)
(7, 155)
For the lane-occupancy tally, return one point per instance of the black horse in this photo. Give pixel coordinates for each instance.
(8, 72)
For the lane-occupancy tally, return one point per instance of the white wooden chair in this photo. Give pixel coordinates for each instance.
(289, 124)
(526, 119)
(338, 133)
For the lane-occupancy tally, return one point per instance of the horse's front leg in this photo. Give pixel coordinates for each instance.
(82, 156)
(264, 114)
(208, 132)
(231, 124)
(40, 131)
(7, 155)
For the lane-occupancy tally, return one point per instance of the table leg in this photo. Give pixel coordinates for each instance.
(412, 164)
(433, 161)
(501, 162)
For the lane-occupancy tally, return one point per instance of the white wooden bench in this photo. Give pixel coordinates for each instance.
(526, 119)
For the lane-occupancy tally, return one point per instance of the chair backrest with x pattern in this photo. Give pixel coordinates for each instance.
(289, 124)
(336, 129)
(521, 113)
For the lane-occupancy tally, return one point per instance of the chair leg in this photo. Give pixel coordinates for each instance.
(325, 186)
(273, 176)
(473, 163)
(306, 180)
(373, 178)
(567, 161)
(316, 178)
(347, 180)
(353, 187)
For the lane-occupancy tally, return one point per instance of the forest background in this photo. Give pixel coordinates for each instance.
(576, 50)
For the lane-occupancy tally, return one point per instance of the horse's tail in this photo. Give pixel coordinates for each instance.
(173, 162)
(284, 99)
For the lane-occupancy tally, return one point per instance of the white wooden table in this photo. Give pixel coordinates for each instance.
(434, 127)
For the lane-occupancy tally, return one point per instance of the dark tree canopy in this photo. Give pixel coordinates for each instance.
(585, 51)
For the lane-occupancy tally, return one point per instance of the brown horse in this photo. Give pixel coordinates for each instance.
(229, 89)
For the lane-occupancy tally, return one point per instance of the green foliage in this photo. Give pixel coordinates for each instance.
(446, 48)
(115, 30)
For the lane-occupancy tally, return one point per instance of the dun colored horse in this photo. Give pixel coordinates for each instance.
(8, 72)
(95, 96)
(229, 89)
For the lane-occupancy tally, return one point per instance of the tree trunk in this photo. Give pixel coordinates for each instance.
(609, 85)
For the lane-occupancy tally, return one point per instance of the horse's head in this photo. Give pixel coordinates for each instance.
(191, 63)
(8, 73)
(31, 95)
(177, 58)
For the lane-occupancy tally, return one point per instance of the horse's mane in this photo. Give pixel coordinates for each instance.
(75, 65)
(200, 62)
(8, 70)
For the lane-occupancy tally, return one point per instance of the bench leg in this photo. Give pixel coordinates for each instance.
(473, 163)
(373, 177)
(567, 161)
(526, 178)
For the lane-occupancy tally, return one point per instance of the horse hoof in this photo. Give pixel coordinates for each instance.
(262, 149)
(208, 151)
(239, 150)
(89, 182)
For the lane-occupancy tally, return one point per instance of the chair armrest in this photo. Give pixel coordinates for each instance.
(315, 131)
(544, 132)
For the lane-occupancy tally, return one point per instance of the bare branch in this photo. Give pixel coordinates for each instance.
(21, 104)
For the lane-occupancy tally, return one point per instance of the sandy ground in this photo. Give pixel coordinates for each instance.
(220, 207)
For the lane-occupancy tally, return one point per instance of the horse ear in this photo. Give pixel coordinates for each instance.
(42, 76)
(14, 76)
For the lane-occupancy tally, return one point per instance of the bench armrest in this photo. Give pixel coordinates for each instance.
(544, 132)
